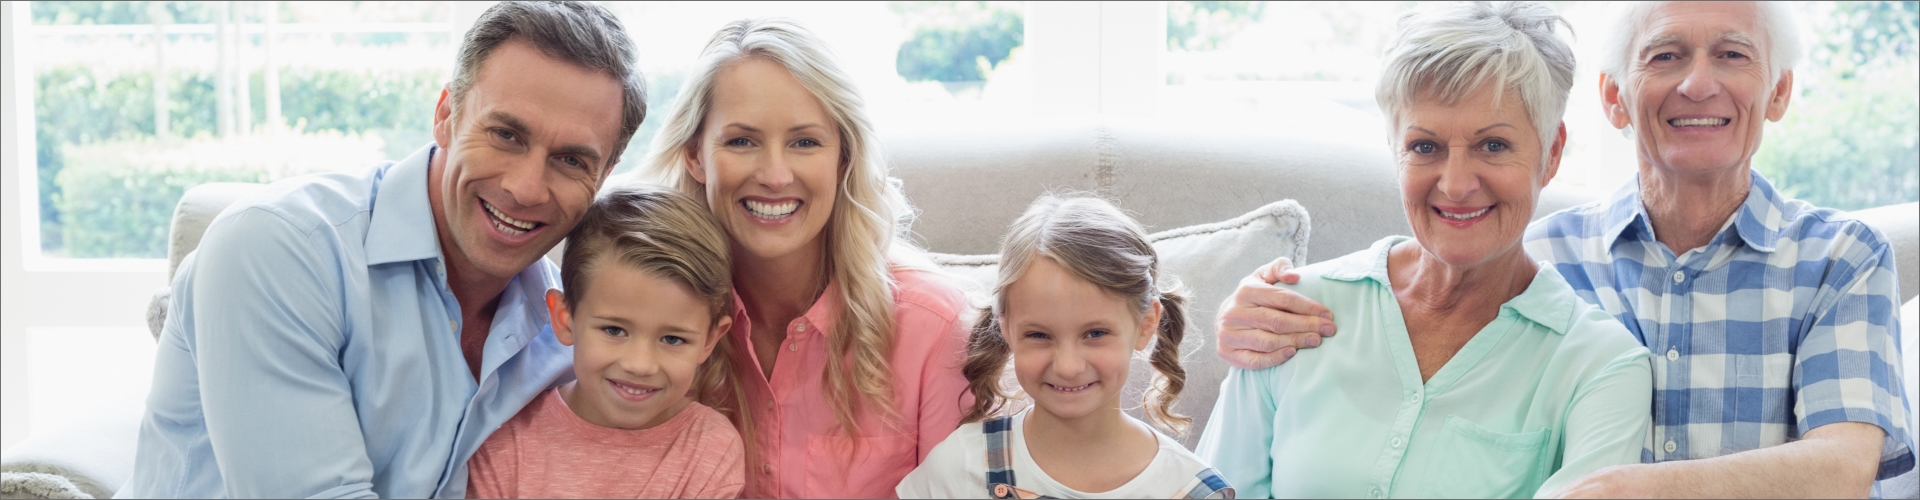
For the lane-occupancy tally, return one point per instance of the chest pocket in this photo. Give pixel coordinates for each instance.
(1474, 462)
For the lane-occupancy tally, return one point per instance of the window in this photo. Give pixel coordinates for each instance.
(135, 102)
(1848, 140)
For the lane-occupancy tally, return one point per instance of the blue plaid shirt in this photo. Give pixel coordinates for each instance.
(1786, 321)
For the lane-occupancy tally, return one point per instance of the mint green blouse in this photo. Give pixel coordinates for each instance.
(1549, 391)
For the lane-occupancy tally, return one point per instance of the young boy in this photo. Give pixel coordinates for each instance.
(648, 292)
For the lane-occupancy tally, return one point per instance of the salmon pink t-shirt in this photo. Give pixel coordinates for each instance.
(546, 451)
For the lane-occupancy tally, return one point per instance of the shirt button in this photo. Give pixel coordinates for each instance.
(766, 468)
(800, 327)
(1415, 399)
(793, 347)
(1670, 446)
(1376, 493)
(1679, 276)
(453, 325)
(1396, 442)
(1673, 354)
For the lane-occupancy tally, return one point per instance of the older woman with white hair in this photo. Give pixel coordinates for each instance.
(1464, 369)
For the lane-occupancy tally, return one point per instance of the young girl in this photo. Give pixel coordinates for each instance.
(648, 299)
(1080, 292)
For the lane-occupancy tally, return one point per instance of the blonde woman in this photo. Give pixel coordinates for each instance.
(851, 360)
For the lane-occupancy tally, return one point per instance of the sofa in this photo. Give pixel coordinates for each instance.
(1221, 200)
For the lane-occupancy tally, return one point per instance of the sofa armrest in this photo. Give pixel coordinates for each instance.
(94, 453)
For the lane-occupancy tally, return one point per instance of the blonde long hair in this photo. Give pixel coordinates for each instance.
(869, 217)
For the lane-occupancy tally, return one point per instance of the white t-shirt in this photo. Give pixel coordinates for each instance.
(957, 468)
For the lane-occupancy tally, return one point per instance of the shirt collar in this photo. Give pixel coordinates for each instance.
(1757, 222)
(1762, 216)
(1548, 299)
(402, 227)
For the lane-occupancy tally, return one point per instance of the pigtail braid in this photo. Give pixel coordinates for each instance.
(987, 355)
(1171, 377)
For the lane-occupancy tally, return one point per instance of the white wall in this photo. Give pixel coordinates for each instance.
(1096, 57)
(55, 295)
(13, 355)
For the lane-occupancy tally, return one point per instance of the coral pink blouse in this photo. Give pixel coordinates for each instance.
(800, 450)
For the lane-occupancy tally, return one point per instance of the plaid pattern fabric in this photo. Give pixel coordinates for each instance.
(1787, 320)
(1211, 486)
(999, 453)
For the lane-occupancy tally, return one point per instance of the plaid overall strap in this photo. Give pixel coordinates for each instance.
(999, 451)
(1210, 484)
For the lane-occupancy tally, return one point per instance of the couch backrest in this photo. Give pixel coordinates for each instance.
(970, 182)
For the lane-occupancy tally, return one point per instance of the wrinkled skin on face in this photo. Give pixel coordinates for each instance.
(1696, 89)
(520, 161)
(1470, 173)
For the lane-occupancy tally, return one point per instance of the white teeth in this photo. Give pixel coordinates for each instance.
(631, 389)
(1465, 216)
(1071, 389)
(1699, 122)
(772, 210)
(517, 224)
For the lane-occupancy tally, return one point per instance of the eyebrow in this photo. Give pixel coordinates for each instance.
(1739, 38)
(756, 130)
(666, 329)
(591, 154)
(1429, 132)
(1493, 126)
(1656, 42)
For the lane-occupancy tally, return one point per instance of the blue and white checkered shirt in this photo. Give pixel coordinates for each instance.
(1786, 321)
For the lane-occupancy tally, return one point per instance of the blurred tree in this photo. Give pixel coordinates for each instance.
(956, 41)
(1196, 26)
(1851, 137)
(118, 12)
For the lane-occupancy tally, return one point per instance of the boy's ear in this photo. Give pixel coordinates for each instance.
(562, 318)
(1149, 327)
(717, 334)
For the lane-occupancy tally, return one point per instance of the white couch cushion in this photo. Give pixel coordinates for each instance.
(1209, 259)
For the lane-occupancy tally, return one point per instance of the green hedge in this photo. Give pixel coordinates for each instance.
(77, 106)
(117, 197)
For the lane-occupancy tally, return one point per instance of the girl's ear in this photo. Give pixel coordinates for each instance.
(562, 318)
(716, 335)
(1149, 327)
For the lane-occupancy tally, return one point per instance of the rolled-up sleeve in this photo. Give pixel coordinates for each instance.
(269, 330)
(1238, 441)
(1848, 367)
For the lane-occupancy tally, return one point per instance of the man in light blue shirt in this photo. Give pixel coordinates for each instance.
(360, 334)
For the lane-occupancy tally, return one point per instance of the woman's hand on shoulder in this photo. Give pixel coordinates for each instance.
(1263, 325)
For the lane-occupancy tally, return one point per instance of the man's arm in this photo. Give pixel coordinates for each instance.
(1846, 376)
(268, 331)
(1833, 461)
(1262, 325)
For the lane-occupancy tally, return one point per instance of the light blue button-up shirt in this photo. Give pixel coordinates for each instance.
(313, 350)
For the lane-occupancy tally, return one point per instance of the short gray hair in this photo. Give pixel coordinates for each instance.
(1783, 38)
(1449, 51)
(579, 33)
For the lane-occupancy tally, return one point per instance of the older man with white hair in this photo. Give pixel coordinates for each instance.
(1772, 322)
